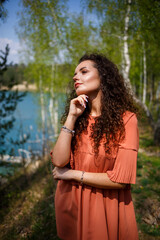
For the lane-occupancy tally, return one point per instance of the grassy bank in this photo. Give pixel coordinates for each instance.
(27, 204)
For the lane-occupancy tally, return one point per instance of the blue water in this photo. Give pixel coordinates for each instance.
(28, 122)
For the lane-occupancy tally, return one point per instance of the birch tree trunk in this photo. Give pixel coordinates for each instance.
(144, 75)
(53, 105)
(56, 117)
(51, 102)
(42, 116)
(141, 78)
(126, 61)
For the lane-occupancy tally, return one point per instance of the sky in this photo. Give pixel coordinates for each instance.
(8, 28)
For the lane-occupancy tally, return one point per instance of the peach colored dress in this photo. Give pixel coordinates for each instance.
(89, 213)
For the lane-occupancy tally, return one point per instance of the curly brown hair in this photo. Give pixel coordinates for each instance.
(116, 100)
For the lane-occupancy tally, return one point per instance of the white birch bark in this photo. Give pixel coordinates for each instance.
(51, 103)
(126, 61)
(144, 75)
(141, 78)
(42, 115)
(53, 106)
(123, 63)
(56, 117)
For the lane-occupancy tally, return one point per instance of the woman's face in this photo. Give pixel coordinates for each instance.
(86, 79)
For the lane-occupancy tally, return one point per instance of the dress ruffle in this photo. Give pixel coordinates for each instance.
(124, 170)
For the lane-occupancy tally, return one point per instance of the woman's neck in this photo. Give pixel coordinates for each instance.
(95, 104)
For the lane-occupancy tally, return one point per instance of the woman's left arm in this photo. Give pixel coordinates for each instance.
(98, 180)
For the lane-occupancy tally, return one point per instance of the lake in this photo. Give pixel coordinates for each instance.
(30, 134)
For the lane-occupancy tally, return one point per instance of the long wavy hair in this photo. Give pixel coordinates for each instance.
(115, 101)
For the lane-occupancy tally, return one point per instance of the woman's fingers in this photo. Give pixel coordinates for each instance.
(78, 105)
(82, 100)
(54, 172)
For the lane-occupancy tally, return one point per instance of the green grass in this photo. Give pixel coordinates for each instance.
(147, 194)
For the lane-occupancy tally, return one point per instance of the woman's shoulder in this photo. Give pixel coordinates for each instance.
(129, 116)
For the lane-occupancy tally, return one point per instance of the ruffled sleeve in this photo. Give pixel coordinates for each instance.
(124, 169)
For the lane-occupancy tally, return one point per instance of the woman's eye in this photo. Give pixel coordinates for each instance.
(84, 71)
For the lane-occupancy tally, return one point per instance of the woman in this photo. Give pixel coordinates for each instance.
(95, 156)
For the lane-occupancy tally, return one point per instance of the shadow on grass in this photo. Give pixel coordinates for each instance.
(17, 186)
(36, 222)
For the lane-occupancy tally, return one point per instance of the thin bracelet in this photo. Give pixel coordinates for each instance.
(64, 128)
(82, 177)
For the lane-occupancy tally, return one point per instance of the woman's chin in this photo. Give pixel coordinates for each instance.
(80, 92)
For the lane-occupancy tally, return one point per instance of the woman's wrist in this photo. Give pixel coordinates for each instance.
(72, 117)
(70, 122)
(77, 175)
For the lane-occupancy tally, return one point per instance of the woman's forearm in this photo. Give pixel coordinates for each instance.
(62, 149)
(98, 180)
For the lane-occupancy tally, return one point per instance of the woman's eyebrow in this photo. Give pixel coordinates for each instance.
(80, 70)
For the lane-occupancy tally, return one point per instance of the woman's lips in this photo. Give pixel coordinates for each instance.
(77, 85)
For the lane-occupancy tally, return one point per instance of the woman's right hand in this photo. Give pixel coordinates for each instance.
(78, 105)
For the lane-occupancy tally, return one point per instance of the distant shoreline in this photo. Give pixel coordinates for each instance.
(22, 87)
(31, 87)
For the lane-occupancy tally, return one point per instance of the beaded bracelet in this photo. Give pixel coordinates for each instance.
(68, 130)
(82, 177)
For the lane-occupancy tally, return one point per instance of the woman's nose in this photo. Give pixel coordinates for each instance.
(75, 78)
